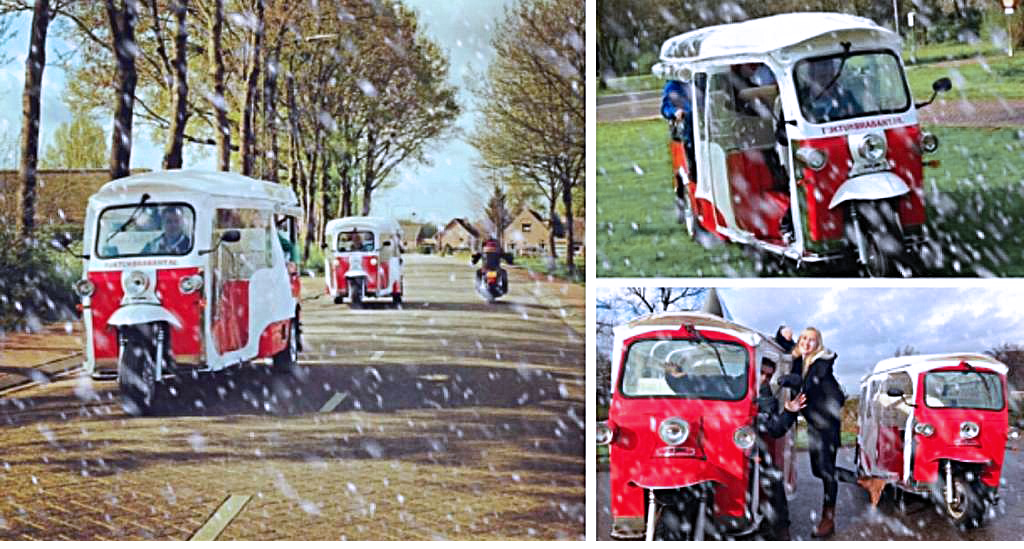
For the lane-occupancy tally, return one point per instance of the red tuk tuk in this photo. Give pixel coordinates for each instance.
(936, 425)
(692, 447)
(806, 142)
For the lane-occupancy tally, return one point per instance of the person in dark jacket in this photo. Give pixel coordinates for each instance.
(492, 256)
(825, 399)
(773, 423)
(677, 108)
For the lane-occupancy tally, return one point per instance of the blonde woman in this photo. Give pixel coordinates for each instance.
(825, 400)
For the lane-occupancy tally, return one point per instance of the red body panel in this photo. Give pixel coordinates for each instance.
(905, 159)
(340, 268)
(231, 325)
(373, 272)
(707, 215)
(890, 449)
(708, 455)
(275, 338)
(187, 308)
(988, 447)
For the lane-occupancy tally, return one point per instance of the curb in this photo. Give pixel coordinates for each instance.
(51, 369)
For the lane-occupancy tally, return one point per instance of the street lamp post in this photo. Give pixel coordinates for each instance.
(896, 15)
(1008, 7)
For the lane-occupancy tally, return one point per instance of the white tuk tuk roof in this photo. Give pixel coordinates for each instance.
(770, 35)
(376, 224)
(675, 320)
(203, 182)
(916, 364)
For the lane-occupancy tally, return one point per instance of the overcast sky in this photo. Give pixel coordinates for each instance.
(436, 193)
(865, 325)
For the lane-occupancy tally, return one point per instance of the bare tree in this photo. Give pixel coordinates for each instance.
(173, 154)
(34, 64)
(251, 93)
(222, 127)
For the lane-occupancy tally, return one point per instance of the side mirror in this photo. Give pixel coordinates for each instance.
(791, 381)
(894, 392)
(231, 236)
(941, 85)
(385, 244)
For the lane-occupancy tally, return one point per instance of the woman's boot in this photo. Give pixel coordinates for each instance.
(827, 525)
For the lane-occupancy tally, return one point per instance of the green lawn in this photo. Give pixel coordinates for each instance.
(975, 202)
(947, 51)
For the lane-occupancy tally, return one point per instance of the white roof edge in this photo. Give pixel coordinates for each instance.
(921, 363)
(766, 35)
(201, 182)
(376, 222)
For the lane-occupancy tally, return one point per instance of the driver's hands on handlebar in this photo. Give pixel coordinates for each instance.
(797, 403)
(679, 115)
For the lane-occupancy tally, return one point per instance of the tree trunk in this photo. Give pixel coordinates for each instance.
(173, 158)
(270, 114)
(325, 199)
(552, 201)
(567, 202)
(252, 82)
(219, 101)
(368, 173)
(122, 35)
(293, 133)
(34, 64)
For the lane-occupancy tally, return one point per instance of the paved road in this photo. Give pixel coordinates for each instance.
(857, 520)
(457, 419)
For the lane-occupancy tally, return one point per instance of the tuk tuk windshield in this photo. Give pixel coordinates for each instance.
(355, 241)
(685, 368)
(154, 229)
(963, 389)
(866, 84)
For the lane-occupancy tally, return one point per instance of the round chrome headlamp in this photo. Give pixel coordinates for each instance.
(924, 429)
(1013, 434)
(605, 434)
(674, 431)
(744, 437)
(135, 283)
(872, 148)
(373, 261)
(84, 287)
(969, 430)
(813, 158)
(929, 143)
(191, 283)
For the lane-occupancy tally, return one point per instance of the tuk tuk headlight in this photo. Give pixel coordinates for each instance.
(744, 437)
(872, 148)
(924, 429)
(373, 261)
(814, 159)
(674, 431)
(84, 287)
(605, 433)
(1013, 434)
(929, 143)
(136, 283)
(191, 283)
(969, 430)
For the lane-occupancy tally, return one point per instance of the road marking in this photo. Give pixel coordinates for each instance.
(221, 518)
(434, 377)
(333, 403)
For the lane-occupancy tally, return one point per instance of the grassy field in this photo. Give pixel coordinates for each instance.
(974, 198)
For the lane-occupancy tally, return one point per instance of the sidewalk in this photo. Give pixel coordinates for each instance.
(27, 358)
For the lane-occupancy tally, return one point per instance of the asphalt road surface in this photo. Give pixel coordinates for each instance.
(449, 418)
(857, 520)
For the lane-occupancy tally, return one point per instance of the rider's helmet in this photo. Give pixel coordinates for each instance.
(490, 246)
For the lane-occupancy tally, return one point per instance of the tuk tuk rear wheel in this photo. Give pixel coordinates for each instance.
(967, 510)
(286, 359)
(356, 289)
(136, 377)
(686, 215)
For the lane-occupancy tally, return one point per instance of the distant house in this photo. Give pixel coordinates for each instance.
(62, 195)
(458, 235)
(410, 234)
(579, 238)
(527, 234)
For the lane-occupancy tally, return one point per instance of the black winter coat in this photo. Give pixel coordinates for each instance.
(786, 344)
(825, 396)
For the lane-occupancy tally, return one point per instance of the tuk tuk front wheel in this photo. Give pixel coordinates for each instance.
(967, 508)
(878, 238)
(136, 377)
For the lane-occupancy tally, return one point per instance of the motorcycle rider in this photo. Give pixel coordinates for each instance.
(492, 256)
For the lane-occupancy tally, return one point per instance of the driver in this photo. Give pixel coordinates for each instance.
(492, 256)
(173, 240)
(773, 423)
(823, 96)
(677, 108)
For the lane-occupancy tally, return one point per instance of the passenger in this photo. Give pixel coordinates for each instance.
(173, 240)
(825, 400)
(773, 423)
(755, 90)
(784, 338)
(677, 107)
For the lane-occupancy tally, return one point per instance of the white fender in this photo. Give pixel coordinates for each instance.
(142, 314)
(872, 186)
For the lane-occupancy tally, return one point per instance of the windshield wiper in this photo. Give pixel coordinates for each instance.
(981, 375)
(842, 63)
(704, 340)
(130, 220)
